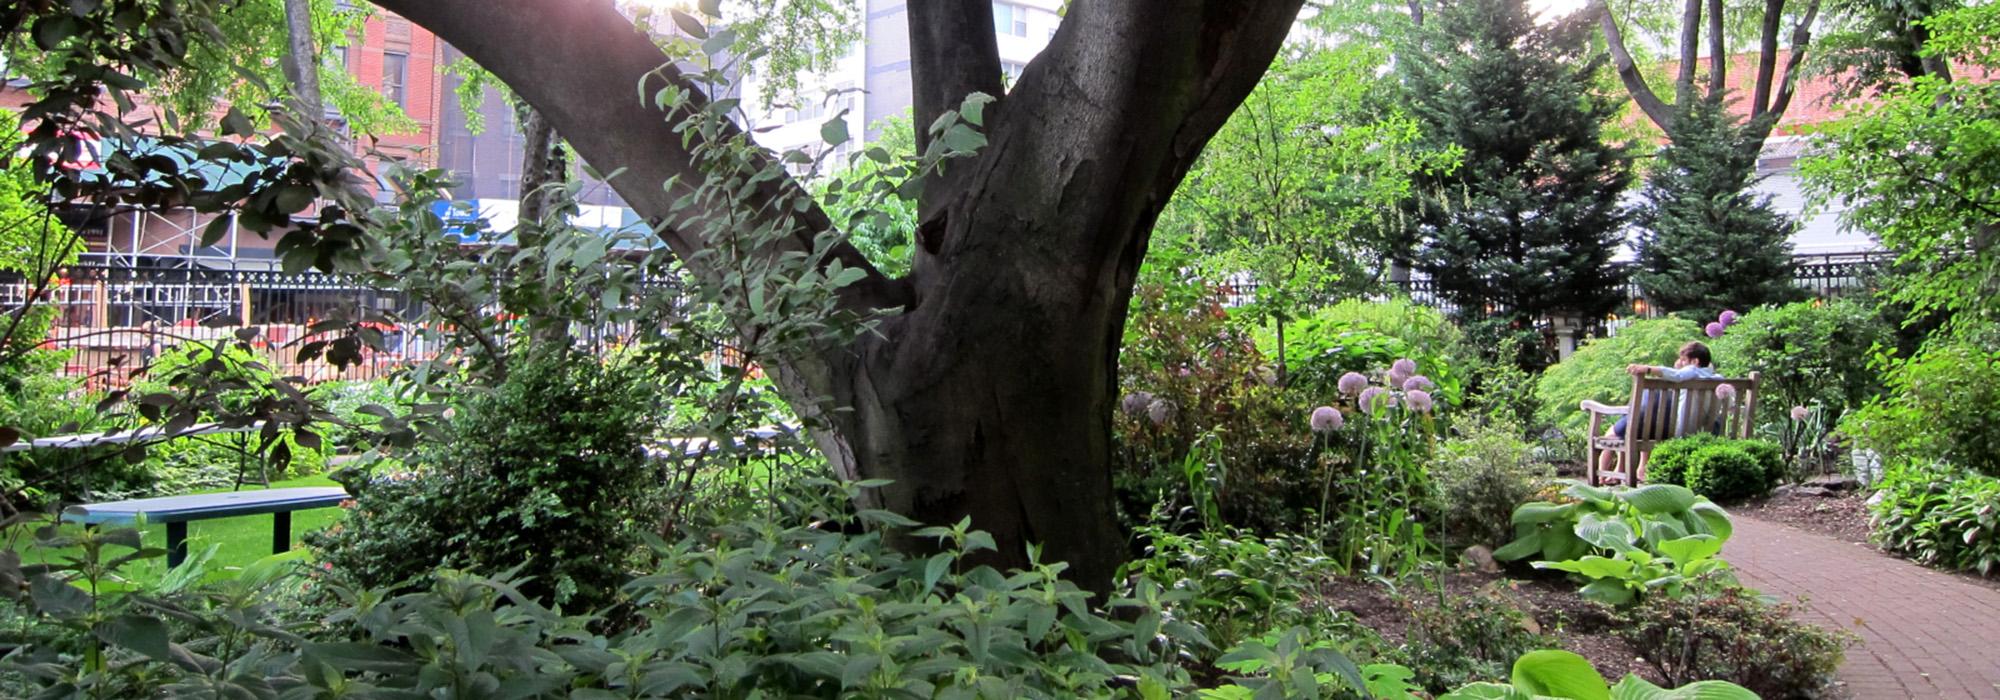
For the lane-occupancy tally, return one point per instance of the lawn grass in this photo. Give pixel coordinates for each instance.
(239, 540)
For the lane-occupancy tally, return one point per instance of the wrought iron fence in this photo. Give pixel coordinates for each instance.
(113, 320)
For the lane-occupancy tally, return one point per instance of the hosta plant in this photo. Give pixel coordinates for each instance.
(1625, 542)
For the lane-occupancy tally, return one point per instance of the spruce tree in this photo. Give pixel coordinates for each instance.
(1527, 224)
(1708, 243)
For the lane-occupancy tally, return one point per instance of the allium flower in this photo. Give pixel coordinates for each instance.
(1418, 383)
(1726, 392)
(1405, 366)
(1161, 411)
(1326, 419)
(1135, 403)
(1728, 318)
(1714, 329)
(1352, 383)
(1418, 400)
(1375, 398)
(1800, 413)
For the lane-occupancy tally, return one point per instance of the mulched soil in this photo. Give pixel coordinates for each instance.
(1843, 517)
(1576, 624)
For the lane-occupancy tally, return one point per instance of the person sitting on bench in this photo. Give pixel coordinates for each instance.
(1693, 362)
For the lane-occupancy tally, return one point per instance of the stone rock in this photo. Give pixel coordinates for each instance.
(1480, 559)
(1805, 490)
(1834, 482)
(1878, 498)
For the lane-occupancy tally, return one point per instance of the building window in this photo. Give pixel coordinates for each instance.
(395, 69)
(1010, 72)
(1010, 19)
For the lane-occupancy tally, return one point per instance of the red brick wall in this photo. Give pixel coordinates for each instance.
(423, 89)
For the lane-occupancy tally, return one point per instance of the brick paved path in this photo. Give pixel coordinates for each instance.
(1924, 633)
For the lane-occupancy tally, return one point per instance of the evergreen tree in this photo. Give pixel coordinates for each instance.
(1527, 224)
(1709, 243)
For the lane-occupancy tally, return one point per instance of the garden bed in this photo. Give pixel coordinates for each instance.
(1842, 516)
(1578, 625)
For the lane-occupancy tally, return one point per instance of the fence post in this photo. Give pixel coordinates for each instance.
(243, 296)
(100, 306)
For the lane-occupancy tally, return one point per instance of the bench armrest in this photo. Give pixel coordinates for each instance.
(1595, 407)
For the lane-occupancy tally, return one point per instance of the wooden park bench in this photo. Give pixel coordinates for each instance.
(1662, 410)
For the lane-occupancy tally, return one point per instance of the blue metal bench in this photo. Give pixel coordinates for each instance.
(178, 511)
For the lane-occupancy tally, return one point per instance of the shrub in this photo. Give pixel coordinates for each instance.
(1940, 405)
(1362, 336)
(38, 404)
(1806, 353)
(1597, 370)
(1735, 637)
(1940, 516)
(1453, 639)
(1724, 470)
(1239, 586)
(1213, 389)
(1481, 475)
(1627, 543)
(546, 472)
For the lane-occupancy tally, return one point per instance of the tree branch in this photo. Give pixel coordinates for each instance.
(1767, 56)
(593, 75)
(1628, 71)
(953, 53)
(1801, 36)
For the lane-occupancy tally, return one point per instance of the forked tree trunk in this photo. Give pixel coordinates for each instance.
(988, 395)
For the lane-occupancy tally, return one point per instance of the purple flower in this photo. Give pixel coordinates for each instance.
(1418, 400)
(1135, 403)
(1326, 419)
(1728, 318)
(1376, 398)
(1352, 383)
(1160, 411)
(1405, 367)
(1726, 392)
(1714, 329)
(1800, 413)
(1418, 383)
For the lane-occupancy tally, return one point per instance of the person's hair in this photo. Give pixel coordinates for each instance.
(1698, 352)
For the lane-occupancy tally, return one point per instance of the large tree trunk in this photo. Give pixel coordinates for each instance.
(301, 64)
(988, 395)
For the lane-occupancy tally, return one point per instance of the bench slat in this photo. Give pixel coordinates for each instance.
(206, 506)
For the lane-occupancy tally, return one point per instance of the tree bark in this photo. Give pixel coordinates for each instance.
(1650, 104)
(543, 163)
(301, 64)
(1718, 52)
(988, 395)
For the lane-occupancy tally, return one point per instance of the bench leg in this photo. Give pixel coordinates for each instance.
(281, 532)
(177, 546)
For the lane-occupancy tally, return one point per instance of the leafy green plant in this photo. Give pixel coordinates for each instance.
(1482, 473)
(1627, 543)
(1239, 586)
(1290, 664)
(1453, 639)
(1806, 353)
(1359, 335)
(1596, 371)
(1940, 405)
(546, 472)
(1733, 636)
(1718, 468)
(1940, 516)
(1554, 673)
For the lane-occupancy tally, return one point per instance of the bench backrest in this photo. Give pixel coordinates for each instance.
(1663, 409)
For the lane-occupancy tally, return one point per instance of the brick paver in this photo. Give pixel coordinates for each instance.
(1924, 633)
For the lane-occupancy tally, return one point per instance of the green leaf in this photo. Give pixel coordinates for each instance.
(1715, 518)
(1632, 687)
(1520, 548)
(235, 124)
(146, 635)
(1653, 499)
(834, 131)
(1559, 673)
(973, 110)
(1691, 548)
(1604, 533)
(362, 657)
(935, 569)
(1487, 691)
(1541, 512)
(1592, 566)
(963, 139)
(689, 25)
(1609, 592)
(216, 229)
